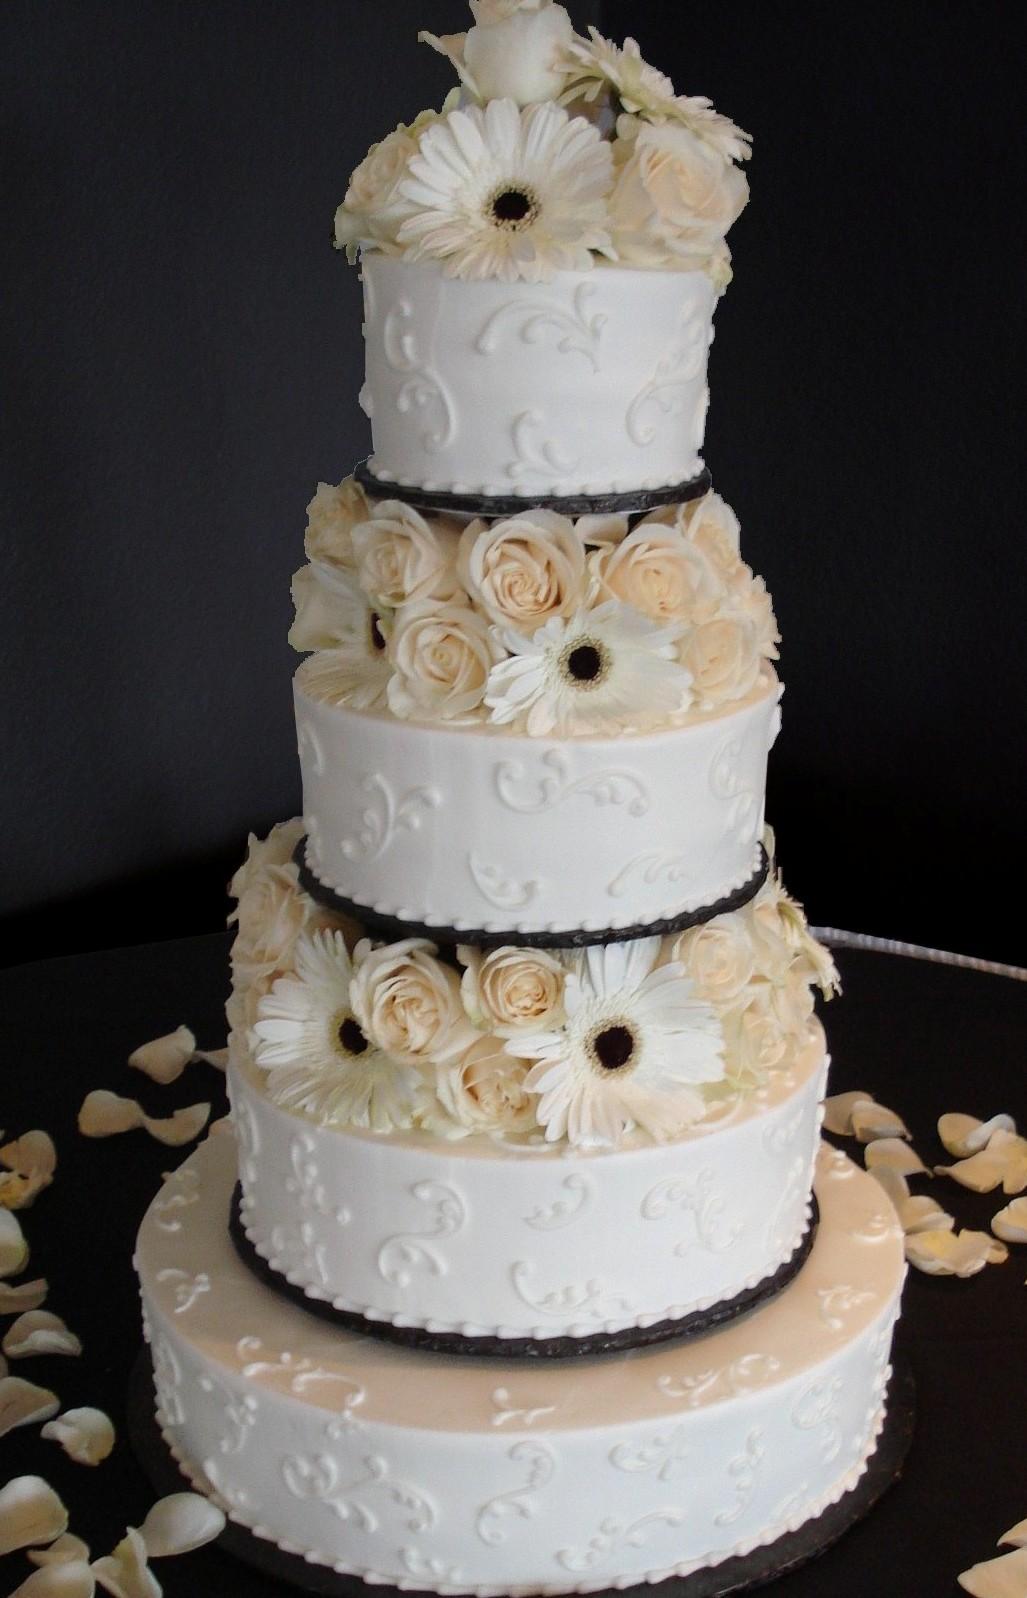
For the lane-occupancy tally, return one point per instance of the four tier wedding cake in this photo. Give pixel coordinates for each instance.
(523, 1059)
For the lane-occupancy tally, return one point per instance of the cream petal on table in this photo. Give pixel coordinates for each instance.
(896, 1155)
(1005, 1577)
(965, 1134)
(125, 1573)
(25, 1296)
(14, 1251)
(1010, 1224)
(39, 1331)
(22, 1403)
(30, 1512)
(86, 1435)
(942, 1253)
(165, 1058)
(180, 1523)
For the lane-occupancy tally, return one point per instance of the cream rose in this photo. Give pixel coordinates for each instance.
(675, 197)
(330, 609)
(712, 527)
(525, 569)
(402, 557)
(372, 210)
(752, 601)
(408, 1002)
(516, 51)
(723, 657)
(442, 656)
(271, 914)
(276, 849)
(331, 517)
(755, 1040)
(718, 956)
(483, 1091)
(512, 990)
(657, 571)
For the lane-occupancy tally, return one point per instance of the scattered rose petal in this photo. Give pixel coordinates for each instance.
(1002, 1163)
(924, 1214)
(1016, 1535)
(1010, 1224)
(104, 1114)
(181, 1127)
(893, 1182)
(14, 1251)
(1005, 1577)
(180, 1523)
(86, 1435)
(218, 1058)
(67, 1578)
(942, 1253)
(896, 1155)
(871, 1120)
(963, 1135)
(838, 1108)
(39, 1332)
(62, 1552)
(24, 1404)
(30, 1512)
(125, 1573)
(166, 1057)
(33, 1155)
(27, 1295)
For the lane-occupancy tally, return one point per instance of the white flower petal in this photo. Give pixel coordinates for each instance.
(895, 1154)
(180, 1523)
(871, 1120)
(104, 1114)
(63, 1551)
(179, 1128)
(942, 1253)
(165, 1058)
(1010, 1224)
(24, 1404)
(86, 1435)
(963, 1135)
(1002, 1163)
(14, 1251)
(1005, 1577)
(838, 1108)
(1016, 1536)
(27, 1295)
(30, 1512)
(125, 1573)
(66, 1578)
(39, 1332)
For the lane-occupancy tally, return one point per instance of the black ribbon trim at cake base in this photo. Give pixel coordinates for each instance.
(735, 1575)
(636, 501)
(392, 928)
(680, 1330)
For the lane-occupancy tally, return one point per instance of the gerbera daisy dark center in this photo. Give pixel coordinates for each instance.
(351, 1038)
(513, 207)
(585, 664)
(613, 1047)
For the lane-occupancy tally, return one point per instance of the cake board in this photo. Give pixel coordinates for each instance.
(739, 1574)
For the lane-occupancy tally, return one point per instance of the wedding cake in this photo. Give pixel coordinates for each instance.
(524, 1064)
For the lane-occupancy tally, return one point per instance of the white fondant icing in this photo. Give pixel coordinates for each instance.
(426, 1470)
(494, 1239)
(475, 827)
(593, 382)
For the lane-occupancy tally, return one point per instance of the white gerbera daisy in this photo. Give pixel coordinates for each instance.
(317, 1057)
(635, 1048)
(645, 91)
(500, 192)
(356, 670)
(596, 671)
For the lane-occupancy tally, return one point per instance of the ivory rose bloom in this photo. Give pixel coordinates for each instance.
(712, 527)
(659, 573)
(402, 557)
(675, 197)
(723, 657)
(442, 656)
(332, 515)
(756, 1042)
(373, 208)
(516, 51)
(275, 850)
(525, 569)
(272, 915)
(408, 1002)
(512, 990)
(331, 609)
(718, 956)
(483, 1091)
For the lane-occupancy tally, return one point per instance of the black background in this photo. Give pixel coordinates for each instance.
(181, 351)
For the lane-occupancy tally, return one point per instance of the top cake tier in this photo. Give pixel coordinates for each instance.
(592, 383)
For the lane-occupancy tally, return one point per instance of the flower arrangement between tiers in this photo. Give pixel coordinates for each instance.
(583, 1046)
(556, 151)
(532, 622)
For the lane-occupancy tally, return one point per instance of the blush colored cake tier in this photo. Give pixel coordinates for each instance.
(478, 829)
(585, 384)
(426, 1472)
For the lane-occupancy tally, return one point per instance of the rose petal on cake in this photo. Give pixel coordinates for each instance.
(943, 1253)
(1010, 1224)
(27, 1295)
(165, 1058)
(105, 1114)
(66, 1578)
(125, 1573)
(39, 1332)
(14, 1251)
(86, 1435)
(963, 1135)
(838, 1108)
(179, 1128)
(894, 1154)
(871, 1121)
(1016, 1535)
(924, 1214)
(180, 1523)
(1002, 1163)
(24, 1404)
(62, 1552)
(30, 1512)
(1005, 1577)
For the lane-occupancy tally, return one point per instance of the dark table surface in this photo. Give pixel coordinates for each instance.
(923, 1038)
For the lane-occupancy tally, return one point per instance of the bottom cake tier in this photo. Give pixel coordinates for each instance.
(436, 1472)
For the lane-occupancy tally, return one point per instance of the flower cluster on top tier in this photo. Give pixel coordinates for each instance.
(579, 1045)
(533, 621)
(556, 150)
